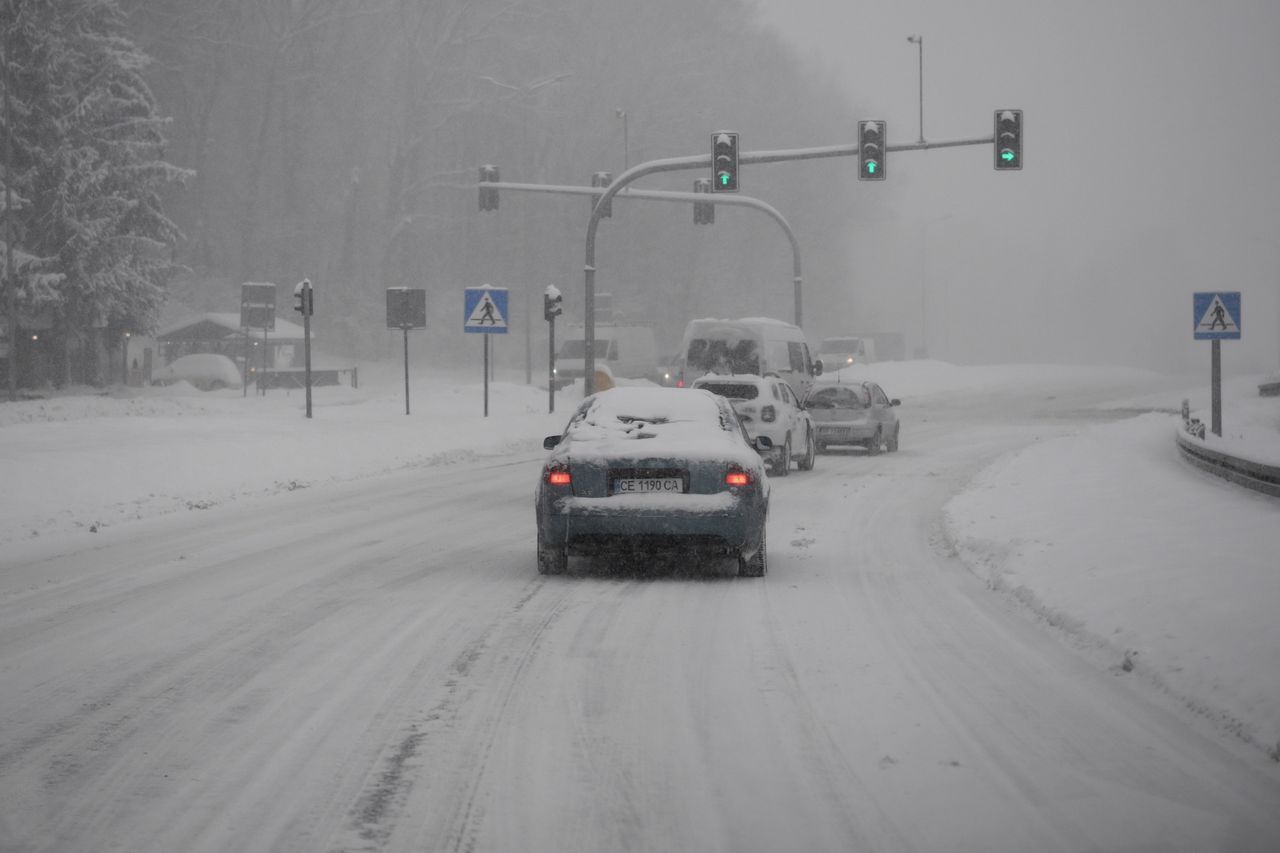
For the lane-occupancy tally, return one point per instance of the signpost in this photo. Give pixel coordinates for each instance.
(1216, 315)
(485, 313)
(257, 311)
(406, 309)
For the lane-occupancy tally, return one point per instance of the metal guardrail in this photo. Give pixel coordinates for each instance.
(1253, 475)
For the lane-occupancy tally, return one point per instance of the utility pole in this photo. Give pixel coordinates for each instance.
(10, 275)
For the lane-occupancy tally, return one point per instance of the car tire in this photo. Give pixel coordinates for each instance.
(892, 444)
(758, 564)
(805, 463)
(873, 446)
(552, 559)
(782, 467)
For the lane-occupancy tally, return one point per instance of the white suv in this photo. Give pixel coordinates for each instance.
(767, 406)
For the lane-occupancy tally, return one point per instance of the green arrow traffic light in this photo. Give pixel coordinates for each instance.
(871, 167)
(724, 179)
(1006, 155)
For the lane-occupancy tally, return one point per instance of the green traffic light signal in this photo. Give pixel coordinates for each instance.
(724, 161)
(872, 150)
(1008, 139)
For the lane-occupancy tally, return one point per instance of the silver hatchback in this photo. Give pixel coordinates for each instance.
(859, 414)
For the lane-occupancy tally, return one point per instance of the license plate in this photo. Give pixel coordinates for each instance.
(648, 485)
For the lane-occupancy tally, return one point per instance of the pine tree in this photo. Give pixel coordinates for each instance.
(89, 166)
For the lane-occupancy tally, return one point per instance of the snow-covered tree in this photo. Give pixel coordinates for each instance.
(88, 166)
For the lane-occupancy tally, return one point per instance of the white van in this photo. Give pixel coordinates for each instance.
(759, 345)
(629, 351)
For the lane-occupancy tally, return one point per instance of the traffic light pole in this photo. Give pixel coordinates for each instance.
(551, 366)
(703, 161)
(797, 277)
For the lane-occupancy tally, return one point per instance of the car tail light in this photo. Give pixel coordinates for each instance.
(737, 477)
(680, 382)
(768, 414)
(559, 476)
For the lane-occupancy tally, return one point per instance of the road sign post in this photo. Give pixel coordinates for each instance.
(257, 311)
(485, 313)
(1216, 315)
(406, 309)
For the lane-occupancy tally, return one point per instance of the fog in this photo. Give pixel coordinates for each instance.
(340, 141)
(1149, 173)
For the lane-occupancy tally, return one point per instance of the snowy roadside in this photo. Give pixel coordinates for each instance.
(1166, 572)
(76, 463)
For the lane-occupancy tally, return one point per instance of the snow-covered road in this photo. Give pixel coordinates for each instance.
(376, 665)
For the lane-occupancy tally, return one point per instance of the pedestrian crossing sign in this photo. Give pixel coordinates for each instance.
(1217, 316)
(485, 310)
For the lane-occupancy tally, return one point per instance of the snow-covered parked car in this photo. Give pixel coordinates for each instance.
(207, 371)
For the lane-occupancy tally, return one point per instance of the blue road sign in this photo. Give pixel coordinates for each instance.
(1216, 316)
(485, 310)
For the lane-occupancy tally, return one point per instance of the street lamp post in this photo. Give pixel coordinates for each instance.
(918, 41)
(626, 153)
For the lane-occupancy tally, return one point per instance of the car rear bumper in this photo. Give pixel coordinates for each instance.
(845, 433)
(723, 523)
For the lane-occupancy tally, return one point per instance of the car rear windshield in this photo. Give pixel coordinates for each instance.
(836, 398)
(732, 390)
(721, 356)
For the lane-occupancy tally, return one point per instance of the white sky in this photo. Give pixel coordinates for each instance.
(1124, 207)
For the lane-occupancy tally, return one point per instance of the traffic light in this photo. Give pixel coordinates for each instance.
(488, 195)
(551, 300)
(602, 179)
(303, 299)
(1008, 139)
(871, 150)
(703, 214)
(724, 162)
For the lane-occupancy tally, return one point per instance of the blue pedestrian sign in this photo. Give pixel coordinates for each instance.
(1216, 316)
(485, 310)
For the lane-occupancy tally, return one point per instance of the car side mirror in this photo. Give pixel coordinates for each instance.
(763, 443)
(817, 367)
(895, 402)
(550, 442)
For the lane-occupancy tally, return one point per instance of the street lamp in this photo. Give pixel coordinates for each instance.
(918, 41)
(626, 154)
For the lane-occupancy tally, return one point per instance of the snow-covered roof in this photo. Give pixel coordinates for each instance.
(216, 325)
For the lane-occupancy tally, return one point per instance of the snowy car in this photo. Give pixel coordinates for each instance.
(767, 406)
(857, 414)
(641, 470)
(207, 371)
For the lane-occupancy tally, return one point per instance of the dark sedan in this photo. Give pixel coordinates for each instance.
(645, 470)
